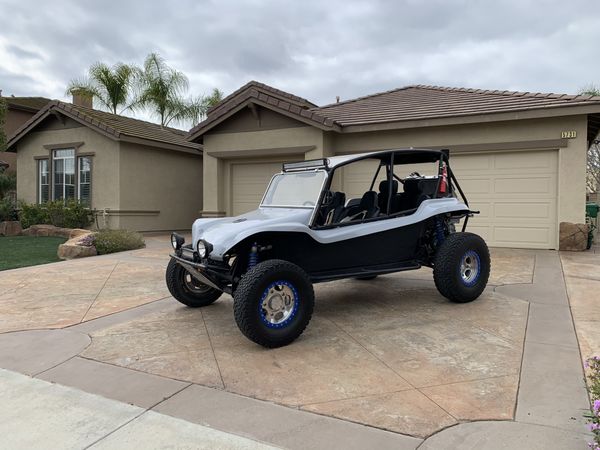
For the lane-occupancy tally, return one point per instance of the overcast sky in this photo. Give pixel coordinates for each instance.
(313, 48)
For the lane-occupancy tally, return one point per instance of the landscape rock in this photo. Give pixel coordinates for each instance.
(51, 230)
(10, 228)
(573, 236)
(73, 248)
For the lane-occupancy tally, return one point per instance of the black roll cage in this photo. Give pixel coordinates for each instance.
(443, 156)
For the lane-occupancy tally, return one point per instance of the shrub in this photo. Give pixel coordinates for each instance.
(32, 214)
(112, 241)
(8, 210)
(593, 365)
(70, 215)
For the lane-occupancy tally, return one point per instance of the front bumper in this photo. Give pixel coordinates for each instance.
(214, 276)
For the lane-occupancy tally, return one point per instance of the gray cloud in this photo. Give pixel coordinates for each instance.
(312, 48)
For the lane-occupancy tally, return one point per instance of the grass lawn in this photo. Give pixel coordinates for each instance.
(23, 251)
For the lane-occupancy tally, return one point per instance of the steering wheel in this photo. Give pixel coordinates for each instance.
(308, 203)
(414, 175)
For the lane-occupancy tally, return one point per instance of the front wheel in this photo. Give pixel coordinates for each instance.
(186, 289)
(462, 267)
(273, 303)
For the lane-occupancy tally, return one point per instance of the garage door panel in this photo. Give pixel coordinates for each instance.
(522, 236)
(516, 193)
(516, 210)
(248, 184)
(524, 160)
(525, 186)
(476, 185)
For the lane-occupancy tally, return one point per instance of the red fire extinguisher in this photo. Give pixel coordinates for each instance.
(444, 180)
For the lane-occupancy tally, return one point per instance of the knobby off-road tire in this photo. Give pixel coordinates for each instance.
(273, 303)
(186, 289)
(462, 267)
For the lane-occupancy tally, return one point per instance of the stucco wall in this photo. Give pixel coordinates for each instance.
(572, 157)
(223, 147)
(572, 152)
(160, 189)
(14, 119)
(105, 164)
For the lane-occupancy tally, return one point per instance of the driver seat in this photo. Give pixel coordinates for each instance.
(366, 209)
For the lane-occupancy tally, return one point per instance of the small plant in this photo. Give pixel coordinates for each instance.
(112, 241)
(32, 214)
(8, 210)
(71, 214)
(593, 366)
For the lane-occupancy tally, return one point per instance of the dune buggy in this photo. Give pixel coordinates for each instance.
(307, 230)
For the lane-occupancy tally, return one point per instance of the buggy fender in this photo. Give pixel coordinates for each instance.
(226, 233)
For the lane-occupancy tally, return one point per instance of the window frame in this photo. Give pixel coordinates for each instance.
(39, 162)
(64, 184)
(79, 158)
(75, 146)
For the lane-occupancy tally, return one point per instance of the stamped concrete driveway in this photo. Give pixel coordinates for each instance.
(390, 353)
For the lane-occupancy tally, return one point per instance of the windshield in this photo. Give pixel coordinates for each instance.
(295, 189)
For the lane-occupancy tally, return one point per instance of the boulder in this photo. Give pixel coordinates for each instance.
(51, 230)
(573, 236)
(10, 228)
(74, 249)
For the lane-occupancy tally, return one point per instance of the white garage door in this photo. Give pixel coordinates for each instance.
(248, 184)
(516, 193)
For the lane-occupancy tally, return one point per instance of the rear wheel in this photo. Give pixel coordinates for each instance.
(462, 267)
(273, 303)
(186, 289)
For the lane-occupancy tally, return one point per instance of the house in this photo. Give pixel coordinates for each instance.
(19, 110)
(137, 175)
(521, 157)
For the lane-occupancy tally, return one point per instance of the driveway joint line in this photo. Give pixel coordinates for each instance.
(520, 375)
(386, 365)
(99, 292)
(585, 380)
(212, 349)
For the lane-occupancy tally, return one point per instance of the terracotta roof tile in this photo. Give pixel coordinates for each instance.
(429, 102)
(112, 124)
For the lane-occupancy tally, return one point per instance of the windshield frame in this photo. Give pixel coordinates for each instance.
(317, 200)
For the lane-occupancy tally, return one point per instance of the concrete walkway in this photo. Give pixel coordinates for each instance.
(155, 394)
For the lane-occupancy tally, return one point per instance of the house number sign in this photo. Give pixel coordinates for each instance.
(568, 134)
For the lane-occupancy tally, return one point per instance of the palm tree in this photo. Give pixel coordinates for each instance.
(110, 86)
(214, 98)
(162, 91)
(590, 89)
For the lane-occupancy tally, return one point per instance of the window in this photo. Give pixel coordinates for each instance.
(43, 181)
(63, 174)
(85, 179)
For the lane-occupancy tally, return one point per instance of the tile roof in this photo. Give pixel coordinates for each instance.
(33, 104)
(429, 102)
(274, 99)
(418, 102)
(112, 125)
(281, 95)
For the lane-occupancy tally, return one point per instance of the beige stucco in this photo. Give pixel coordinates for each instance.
(105, 162)
(232, 145)
(136, 187)
(159, 189)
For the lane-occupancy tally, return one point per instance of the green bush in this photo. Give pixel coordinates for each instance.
(70, 215)
(112, 241)
(32, 214)
(8, 210)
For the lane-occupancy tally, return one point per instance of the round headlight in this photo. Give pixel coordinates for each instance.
(174, 241)
(201, 248)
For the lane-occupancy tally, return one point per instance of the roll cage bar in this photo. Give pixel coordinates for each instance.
(388, 159)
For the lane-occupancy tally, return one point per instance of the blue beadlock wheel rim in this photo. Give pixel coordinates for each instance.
(470, 268)
(278, 304)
